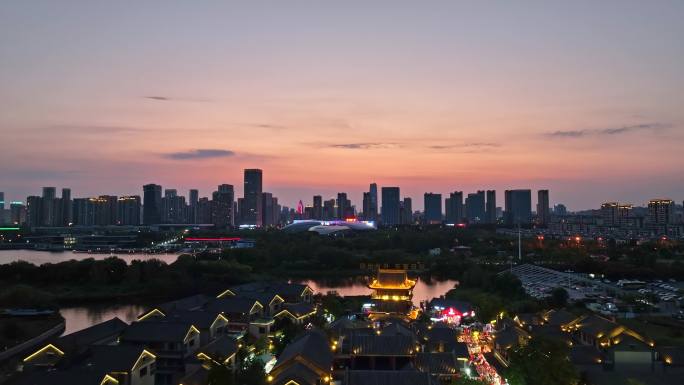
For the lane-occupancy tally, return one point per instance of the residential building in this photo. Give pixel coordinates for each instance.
(518, 210)
(433, 208)
(251, 214)
(152, 204)
(390, 206)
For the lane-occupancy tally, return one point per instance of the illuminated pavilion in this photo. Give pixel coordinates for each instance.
(392, 292)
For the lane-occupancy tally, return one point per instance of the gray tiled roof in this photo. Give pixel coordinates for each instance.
(437, 363)
(379, 345)
(312, 346)
(387, 377)
(228, 305)
(155, 331)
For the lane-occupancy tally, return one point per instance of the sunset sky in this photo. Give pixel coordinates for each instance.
(585, 98)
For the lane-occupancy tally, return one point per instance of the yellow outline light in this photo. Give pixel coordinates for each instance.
(145, 352)
(192, 327)
(225, 292)
(150, 313)
(107, 378)
(256, 303)
(219, 316)
(44, 348)
(274, 298)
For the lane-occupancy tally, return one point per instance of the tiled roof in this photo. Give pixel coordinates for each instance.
(437, 363)
(313, 346)
(231, 305)
(154, 331)
(387, 377)
(379, 345)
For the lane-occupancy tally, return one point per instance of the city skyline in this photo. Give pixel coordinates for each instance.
(581, 98)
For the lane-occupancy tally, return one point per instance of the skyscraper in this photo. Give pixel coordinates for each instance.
(222, 206)
(267, 209)
(518, 208)
(253, 190)
(475, 207)
(454, 207)
(433, 208)
(317, 207)
(406, 211)
(152, 204)
(2, 200)
(344, 209)
(490, 212)
(48, 205)
(661, 212)
(193, 198)
(129, 210)
(543, 208)
(329, 209)
(34, 211)
(67, 210)
(390, 206)
(372, 214)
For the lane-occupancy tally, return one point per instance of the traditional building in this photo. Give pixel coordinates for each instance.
(392, 293)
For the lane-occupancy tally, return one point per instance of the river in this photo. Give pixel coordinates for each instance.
(78, 318)
(38, 257)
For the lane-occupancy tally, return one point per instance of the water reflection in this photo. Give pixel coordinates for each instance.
(40, 257)
(425, 290)
(78, 318)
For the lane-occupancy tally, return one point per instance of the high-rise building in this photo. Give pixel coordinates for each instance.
(105, 210)
(490, 211)
(344, 209)
(193, 198)
(390, 206)
(83, 213)
(222, 206)
(174, 208)
(204, 210)
(661, 212)
(129, 210)
(475, 207)
(543, 207)
(152, 204)
(17, 213)
(48, 206)
(372, 214)
(2, 200)
(253, 188)
(67, 209)
(406, 211)
(560, 210)
(518, 208)
(454, 207)
(34, 211)
(433, 208)
(365, 206)
(329, 209)
(267, 209)
(317, 210)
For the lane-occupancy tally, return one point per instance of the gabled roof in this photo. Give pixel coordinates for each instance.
(379, 345)
(559, 317)
(234, 305)
(510, 337)
(396, 328)
(387, 377)
(585, 355)
(262, 290)
(437, 363)
(80, 376)
(113, 358)
(155, 331)
(200, 318)
(100, 332)
(298, 310)
(597, 326)
(223, 347)
(442, 336)
(193, 302)
(312, 346)
(297, 373)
